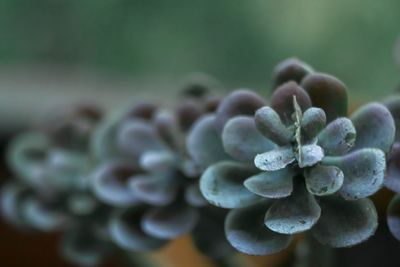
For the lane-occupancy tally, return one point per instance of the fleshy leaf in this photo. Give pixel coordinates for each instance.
(137, 136)
(109, 183)
(204, 144)
(375, 127)
(392, 180)
(239, 102)
(157, 160)
(275, 159)
(270, 125)
(310, 155)
(274, 184)
(290, 69)
(193, 195)
(313, 121)
(393, 216)
(338, 137)
(125, 230)
(11, 197)
(393, 105)
(294, 214)
(345, 223)
(250, 236)
(327, 93)
(82, 246)
(364, 172)
(323, 180)
(157, 189)
(282, 101)
(213, 245)
(167, 127)
(242, 140)
(42, 217)
(187, 114)
(222, 185)
(169, 222)
(26, 156)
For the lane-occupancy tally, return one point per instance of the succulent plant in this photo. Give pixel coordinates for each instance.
(52, 164)
(296, 165)
(392, 180)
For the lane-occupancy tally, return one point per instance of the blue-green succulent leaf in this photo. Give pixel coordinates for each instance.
(375, 127)
(270, 125)
(242, 140)
(239, 102)
(204, 144)
(364, 172)
(393, 217)
(126, 232)
(42, 218)
(338, 137)
(169, 222)
(345, 223)
(193, 195)
(323, 180)
(109, 184)
(294, 214)
(26, 156)
(271, 184)
(136, 137)
(11, 197)
(275, 159)
(392, 180)
(313, 121)
(222, 185)
(155, 189)
(309, 155)
(246, 232)
(160, 160)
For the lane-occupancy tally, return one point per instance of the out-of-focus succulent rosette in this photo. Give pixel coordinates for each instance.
(392, 180)
(295, 165)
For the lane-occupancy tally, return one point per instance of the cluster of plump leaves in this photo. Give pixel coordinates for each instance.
(295, 165)
(131, 178)
(51, 192)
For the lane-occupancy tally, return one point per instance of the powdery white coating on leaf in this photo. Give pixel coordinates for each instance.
(275, 184)
(275, 159)
(338, 137)
(270, 125)
(310, 155)
(324, 180)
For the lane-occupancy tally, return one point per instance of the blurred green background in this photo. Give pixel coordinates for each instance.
(115, 51)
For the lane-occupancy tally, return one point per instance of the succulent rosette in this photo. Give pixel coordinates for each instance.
(52, 165)
(392, 180)
(296, 165)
